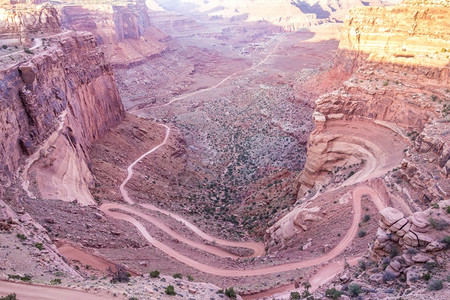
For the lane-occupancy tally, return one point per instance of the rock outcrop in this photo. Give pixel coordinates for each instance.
(22, 22)
(394, 73)
(123, 29)
(53, 106)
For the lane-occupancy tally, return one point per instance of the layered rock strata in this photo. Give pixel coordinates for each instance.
(53, 106)
(123, 28)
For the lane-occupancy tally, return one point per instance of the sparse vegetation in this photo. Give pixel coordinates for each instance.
(28, 51)
(230, 293)
(190, 278)
(435, 285)
(154, 274)
(366, 218)
(170, 290)
(26, 277)
(438, 224)
(178, 275)
(295, 295)
(40, 246)
(333, 293)
(361, 233)
(9, 297)
(21, 237)
(55, 281)
(354, 290)
(119, 274)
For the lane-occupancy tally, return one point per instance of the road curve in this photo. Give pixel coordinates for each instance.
(358, 192)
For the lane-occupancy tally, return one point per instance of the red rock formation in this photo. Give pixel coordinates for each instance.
(19, 22)
(398, 60)
(123, 29)
(55, 105)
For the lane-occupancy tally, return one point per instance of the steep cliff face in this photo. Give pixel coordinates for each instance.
(19, 22)
(53, 106)
(398, 61)
(123, 28)
(388, 120)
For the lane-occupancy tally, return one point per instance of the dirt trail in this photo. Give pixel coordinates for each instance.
(343, 244)
(25, 291)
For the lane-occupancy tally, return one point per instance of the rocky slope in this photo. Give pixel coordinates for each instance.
(54, 105)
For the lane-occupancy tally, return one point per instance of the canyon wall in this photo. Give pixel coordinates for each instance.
(54, 104)
(387, 122)
(123, 28)
(397, 60)
(18, 23)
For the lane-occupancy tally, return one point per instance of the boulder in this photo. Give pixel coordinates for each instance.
(410, 239)
(404, 230)
(390, 215)
(376, 278)
(398, 225)
(420, 258)
(419, 221)
(434, 246)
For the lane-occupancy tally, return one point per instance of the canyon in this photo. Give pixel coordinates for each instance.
(262, 146)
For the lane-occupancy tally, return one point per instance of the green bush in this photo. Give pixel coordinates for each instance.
(9, 297)
(5, 47)
(295, 295)
(170, 290)
(190, 278)
(40, 246)
(154, 274)
(366, 218)
(230, 292)
(426, 276)
(435, 285)
(361, 233)
(354, 290)
(55, 281)
(28, 51)
(21, 237)
(177, 275)
(333, 293)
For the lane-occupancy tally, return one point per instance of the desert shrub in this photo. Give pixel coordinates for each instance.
(5, 47)
(55, 281)
(366, 218)
(230, 292)
(21, 237)
(9, 297)
(190, 278)
(446, 241)
(435, 285)
(388, 276)
(133, 298)
(170, 290)
(438, 224)
(426, 276)
(295, 295)
(362, 264)
(28, 51)
(119, 275)
(333, 293)
(219, 291)
(354, 290)
(40, 246)
(386, 83)
(177, 275)
(154, 274)
(361, 233)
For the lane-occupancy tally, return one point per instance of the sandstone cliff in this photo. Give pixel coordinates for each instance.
(53, 106)
(399, 59)
(123, 29)
(20, 23)
(388, 119)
